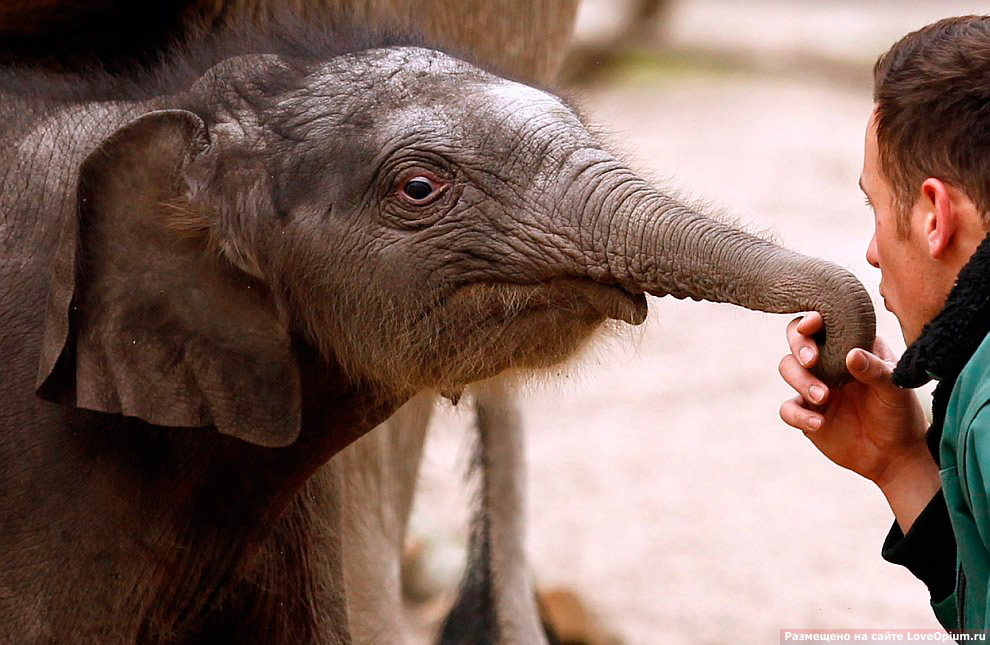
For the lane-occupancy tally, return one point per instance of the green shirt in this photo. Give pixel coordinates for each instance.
(965, 473)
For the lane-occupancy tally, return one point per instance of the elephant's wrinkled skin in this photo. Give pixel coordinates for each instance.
(286, 250)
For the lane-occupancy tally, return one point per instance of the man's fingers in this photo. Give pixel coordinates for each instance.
(799, 340)
(794, 414)
(804, 383)
(811, 323)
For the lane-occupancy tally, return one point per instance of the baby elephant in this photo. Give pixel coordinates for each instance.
(217, 276)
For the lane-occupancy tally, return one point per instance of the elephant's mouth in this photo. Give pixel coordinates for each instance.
(614, 301)
(483, 328)
(575, 300)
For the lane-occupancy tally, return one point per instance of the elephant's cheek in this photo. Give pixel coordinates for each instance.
(499, 335)
(549, 338)
(538, 340)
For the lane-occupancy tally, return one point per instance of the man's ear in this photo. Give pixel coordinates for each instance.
(147, 320)
(941, 216)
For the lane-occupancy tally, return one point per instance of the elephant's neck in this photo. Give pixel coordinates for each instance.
(177, 529)
(232, 495)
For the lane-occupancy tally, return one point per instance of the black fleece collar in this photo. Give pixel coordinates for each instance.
(951, 338)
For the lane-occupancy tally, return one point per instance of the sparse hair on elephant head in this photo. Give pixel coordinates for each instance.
(421, 223)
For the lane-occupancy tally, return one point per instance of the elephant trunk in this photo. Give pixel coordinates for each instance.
(647, 241)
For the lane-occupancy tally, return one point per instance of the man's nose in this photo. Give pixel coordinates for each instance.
(871, 253)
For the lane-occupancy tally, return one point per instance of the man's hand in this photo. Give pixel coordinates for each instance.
(869, 425)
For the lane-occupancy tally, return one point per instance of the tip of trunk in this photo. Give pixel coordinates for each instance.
(855, 327)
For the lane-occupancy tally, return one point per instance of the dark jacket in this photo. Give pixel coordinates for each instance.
(948, 547)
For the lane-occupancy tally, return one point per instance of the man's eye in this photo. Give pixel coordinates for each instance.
(420, 190)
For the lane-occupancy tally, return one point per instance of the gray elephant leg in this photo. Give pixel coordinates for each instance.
(378, 475)
(378, 478)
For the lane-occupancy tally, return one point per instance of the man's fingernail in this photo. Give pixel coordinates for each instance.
(817, 393)
(814, 423)
(807, 355)
(858, 362)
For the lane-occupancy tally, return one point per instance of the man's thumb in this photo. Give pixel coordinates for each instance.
(868, 368)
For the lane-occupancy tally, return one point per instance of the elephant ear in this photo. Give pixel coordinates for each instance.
(148, 321)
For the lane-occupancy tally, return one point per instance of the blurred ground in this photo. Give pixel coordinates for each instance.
(662, 485)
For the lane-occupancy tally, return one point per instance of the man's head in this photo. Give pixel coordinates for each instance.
(926, 169)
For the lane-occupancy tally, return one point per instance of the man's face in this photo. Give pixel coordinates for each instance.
(908, 287)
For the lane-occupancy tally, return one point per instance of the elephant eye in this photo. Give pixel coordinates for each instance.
(420, 190)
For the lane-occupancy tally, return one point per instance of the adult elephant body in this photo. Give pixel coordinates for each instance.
(524, 40)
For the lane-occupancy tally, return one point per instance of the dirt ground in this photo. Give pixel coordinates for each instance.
(663, 486)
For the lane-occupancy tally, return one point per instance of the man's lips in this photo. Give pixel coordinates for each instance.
(886, 305)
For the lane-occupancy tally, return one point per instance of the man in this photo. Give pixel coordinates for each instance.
(926, 174)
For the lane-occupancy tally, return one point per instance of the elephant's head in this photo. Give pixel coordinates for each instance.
(421, 223)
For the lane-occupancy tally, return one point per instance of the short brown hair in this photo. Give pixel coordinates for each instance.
(932, 95)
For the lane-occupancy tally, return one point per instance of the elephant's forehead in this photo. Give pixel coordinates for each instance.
(408, 94)
(518, 106)
(519, 121)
